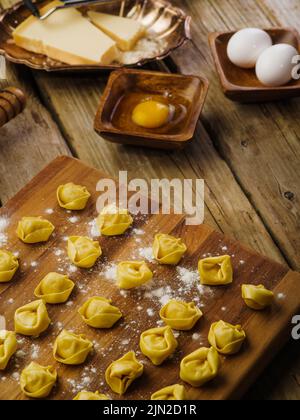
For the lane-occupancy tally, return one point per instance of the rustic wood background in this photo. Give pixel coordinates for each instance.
(247, 154)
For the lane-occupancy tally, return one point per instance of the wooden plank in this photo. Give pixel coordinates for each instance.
(266, 331)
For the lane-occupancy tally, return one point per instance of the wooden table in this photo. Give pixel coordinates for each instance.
(249, 155)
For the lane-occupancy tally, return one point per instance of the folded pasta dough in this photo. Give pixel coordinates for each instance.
(226, 338)
(216, 271)
(158, 344)
(98, 312)
(121, 373)
(200, 367)
(167, 249)
(33, 230)
(8, 346)
(71, 349)
(180, 315)
(37, 381)
(257, 297)
(32, 319)
(170, 393)
(9, 264)
(90, 396)
(72, 197)
(83, 251)
(132, 274)
(54, 288)
(113, 221)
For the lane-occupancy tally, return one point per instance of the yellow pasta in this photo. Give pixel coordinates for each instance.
(32, 319)
(121, 373)
(8, 346)
(8, 266)
(113, 221)
(54, 288)
(200, 367)
(180, 315)
(167, 249)
(83, 251)
(170, 393)
(98, 312)
(72, 197)
(132, 274)
(32, 230)
(37, 381)
(226, 338)
(158, 344)
(257, 297)
(216, 271)
(90, 396)
(71, 349)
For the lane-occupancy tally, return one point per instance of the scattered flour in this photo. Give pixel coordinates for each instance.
(34, 351)
(146, 253)
(74, 219)
(94, 230)
(4, 223)
(110, 272)
(138, 231)
(162, 294)
(72, 268)
(281, 296)
(34, 264)
(49, 211)
(150, 312)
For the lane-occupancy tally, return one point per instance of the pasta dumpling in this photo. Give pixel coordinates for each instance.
(158, 344)
(132, 274)
(71, 349)
(167, 249)
(32, 319)
(216, 271)
(32, 230)
(90, 396)
(8, 265)
(37, 381)
(83, 251)
(170, 393)
(226, 338)
(200, 367)
(121, 373)
(8, 346)
(257, 297)
(72, 197)
(180, 315)
(98, 312)
(114, 221)
(54, 288)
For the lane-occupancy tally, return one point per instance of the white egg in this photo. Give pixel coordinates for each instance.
(274, 66)
(245, 46)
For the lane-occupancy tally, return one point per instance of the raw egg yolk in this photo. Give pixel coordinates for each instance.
(150, 114)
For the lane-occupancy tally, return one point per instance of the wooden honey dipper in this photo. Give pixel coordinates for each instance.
(12, 103)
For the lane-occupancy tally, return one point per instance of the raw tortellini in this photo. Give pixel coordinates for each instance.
(169, 393)
(8, 266)
(32, 230)
(72, 197)
(90, 396)
(200, 367)
(167, 249)
(8, 346)
(121, 373)
(257, 297)
(132, 274)
(37, 381)
(114, 221)
(71, 349)
(216, 271)
(32, 319)
(54, 288)
(158, 344)
(180, 315)
(226, 338)
(98, 312)
(83, 251)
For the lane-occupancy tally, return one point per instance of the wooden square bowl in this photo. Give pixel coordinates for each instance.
(242, 85)
(190, 90)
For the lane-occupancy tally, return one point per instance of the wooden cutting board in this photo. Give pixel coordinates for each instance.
(266, 331)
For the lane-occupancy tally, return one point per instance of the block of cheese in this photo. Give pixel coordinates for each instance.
(126, 32)
(66, 36)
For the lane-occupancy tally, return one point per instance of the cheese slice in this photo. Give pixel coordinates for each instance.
(126, 32)
(66, 36)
